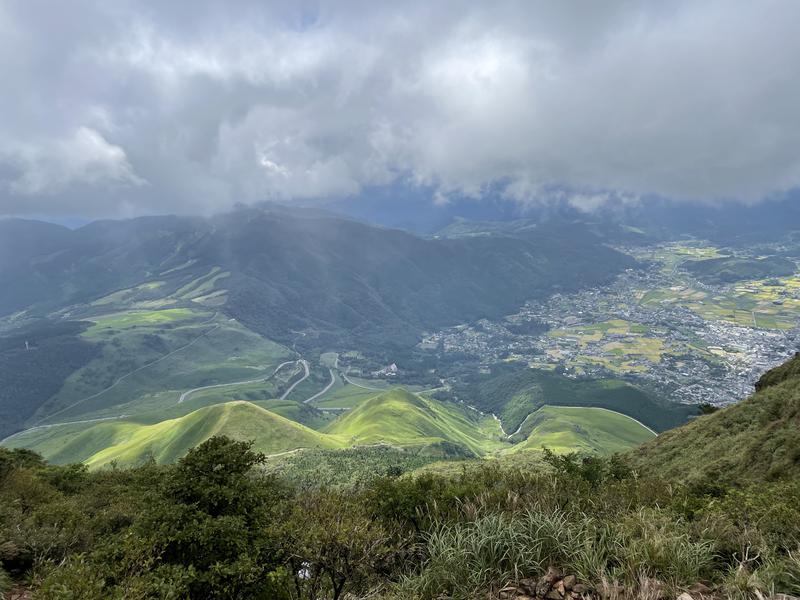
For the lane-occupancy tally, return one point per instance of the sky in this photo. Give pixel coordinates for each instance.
(125, 108)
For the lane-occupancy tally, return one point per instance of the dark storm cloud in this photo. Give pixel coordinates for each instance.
(114, 108)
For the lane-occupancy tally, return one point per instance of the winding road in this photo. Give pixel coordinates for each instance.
(325, 389)
(366, 387)
(304, 364)
(120, 379)
(188, 393)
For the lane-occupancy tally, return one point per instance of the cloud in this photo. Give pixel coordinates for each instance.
(51, 166)
(211, 104)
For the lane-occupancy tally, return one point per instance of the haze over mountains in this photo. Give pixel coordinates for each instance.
(291, 270)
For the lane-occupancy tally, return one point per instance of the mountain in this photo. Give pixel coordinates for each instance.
(287, 271)
(402, 418)
(167, 441)
(755, 440)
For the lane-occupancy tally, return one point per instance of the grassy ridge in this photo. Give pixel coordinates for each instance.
(591, 430)
(169, 440)
(516, 394)
(397, 418)
(400, 417)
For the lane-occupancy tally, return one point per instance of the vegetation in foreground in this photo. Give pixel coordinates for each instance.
(758, 438)
(222, 523)
(216, 525)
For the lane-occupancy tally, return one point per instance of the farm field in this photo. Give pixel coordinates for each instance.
(618, 345)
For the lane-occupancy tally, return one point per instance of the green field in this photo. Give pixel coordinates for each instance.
(583, 429)
(345, 396)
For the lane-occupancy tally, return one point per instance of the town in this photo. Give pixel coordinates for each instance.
(649, 326)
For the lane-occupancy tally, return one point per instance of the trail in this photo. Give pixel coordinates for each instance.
(304, 364)
(188, 393)
(607, 410)
(4, 440)
(325, 389)
(119, 380)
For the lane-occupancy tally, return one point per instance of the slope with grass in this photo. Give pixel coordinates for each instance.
(402, 418)
(755, 440)
(159, 352)
(583, 429)
(514, 395)
(131, 443)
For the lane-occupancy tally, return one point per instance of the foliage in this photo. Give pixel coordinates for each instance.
(731, 268)
(757, 439)
(216, 526)
(29, 377)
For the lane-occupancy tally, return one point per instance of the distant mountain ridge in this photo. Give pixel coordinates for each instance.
(294, 270)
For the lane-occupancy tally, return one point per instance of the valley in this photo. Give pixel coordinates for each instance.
(171, 359)
(658, 326)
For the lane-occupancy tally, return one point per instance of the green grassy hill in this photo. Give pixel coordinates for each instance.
(402, 418)
(131, 443)
(514, 395)
(398, 418)
(591, 430)
(755, 440)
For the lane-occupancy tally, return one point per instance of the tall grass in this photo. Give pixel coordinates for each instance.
(465, 559)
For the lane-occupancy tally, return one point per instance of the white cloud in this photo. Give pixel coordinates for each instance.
(51, 166)
(213, 104)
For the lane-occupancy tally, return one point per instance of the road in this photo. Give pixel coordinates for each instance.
(304, 363)
(366, 387)
(325, 389)
(188, 393)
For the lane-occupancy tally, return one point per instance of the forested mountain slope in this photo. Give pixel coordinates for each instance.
(289, 270)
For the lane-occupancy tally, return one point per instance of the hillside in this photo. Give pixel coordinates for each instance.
(731, 268)
(131, 443)
(402, 418)
(513, 395)
(289, 270)
(755, 440)
(589, 430)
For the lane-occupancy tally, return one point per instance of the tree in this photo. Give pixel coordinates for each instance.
(211, 523)
(333, 547)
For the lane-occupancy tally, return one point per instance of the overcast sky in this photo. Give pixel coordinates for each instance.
(115, 107)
